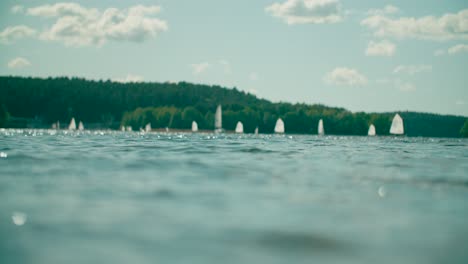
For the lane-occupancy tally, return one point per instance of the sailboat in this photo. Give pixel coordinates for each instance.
(397, 127)
(122, 128)
(72, 125)
(219, 120)
(256, 131)
(58, 124)
(148, 127)
(371, 131)
(239, 128)
(80, 126)
(54, 125)
(279, 127)
(129, 128)
(194, 126)
(320, 130)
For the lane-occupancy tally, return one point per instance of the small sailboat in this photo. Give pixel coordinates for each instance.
(279, 127)
(239, 128)
(148, 127)
(320, 130)
(80, 126)
(72, 125)
(129, 128)
(54, 125)
(122, 128)
(58, 124)
(256, 131)
(397, 127)
(194, 126)
(219, 120)
(371, 131)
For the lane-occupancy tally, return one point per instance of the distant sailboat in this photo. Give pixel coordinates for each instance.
(219, 120)
(256, 131)
(239, 128)
(397, 126)
(279, 127)
(148, 127)
(320, 129)
(72, 125)
(371, 131)
(194, 126)
(58, 124)
(54, 126)
(80, 126)
(129, 128)
(122, 128)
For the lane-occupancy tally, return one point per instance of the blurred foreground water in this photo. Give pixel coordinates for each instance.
(123, 197)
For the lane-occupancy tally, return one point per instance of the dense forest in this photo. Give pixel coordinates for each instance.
(36, 102)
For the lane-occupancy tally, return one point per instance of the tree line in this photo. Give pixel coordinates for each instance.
(176, 105)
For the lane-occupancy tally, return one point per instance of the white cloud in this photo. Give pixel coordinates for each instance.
(382, 48)
(307, 11)
(450, 26)
(79, 26)
(405, 86)
(458, 49)
(17, 9)
(226, 66)
(387, 10)
(412, 69)
(198, 68)
(439, 52)
(253, 76)
(345, 77)
(18, 63)
(130, 78)
(10, 34)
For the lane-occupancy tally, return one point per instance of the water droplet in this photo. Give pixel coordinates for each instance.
(19, 218)
(382, 192)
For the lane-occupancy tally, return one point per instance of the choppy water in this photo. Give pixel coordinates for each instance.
(115, 197)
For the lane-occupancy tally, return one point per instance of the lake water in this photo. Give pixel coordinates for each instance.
(123, 197)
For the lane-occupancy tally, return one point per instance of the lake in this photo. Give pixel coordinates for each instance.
(129, 197)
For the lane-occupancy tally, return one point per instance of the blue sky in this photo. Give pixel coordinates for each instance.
(364, 56)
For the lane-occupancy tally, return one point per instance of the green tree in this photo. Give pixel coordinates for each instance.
(4, 115)
(464, 130)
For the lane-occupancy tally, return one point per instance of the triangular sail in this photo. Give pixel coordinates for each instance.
(72, 125)
(397, 127)
(194, 126)
(371, 131)
(80, 126)
(320, 129)
(239, 128)
(256, 131)
(279, 127)
(219, 119)
(148, 127)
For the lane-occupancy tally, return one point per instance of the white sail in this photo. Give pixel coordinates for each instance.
(320, 129)
(129, 128)
(279, 127)
(239, 128)
(148, 127)
(58, 124)
(194, 126)
(72, 125)
(371, 131)
(256, 131)
(80, 126)
(219, 119)
(397, 126)
(122, 128)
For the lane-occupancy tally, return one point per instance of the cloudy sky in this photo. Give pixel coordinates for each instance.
(362, 55)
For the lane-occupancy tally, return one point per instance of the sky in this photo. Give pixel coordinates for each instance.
(368, 55)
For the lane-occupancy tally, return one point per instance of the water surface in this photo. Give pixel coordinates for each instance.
(123, 197)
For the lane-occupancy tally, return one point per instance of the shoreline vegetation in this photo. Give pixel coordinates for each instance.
(27, 102)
